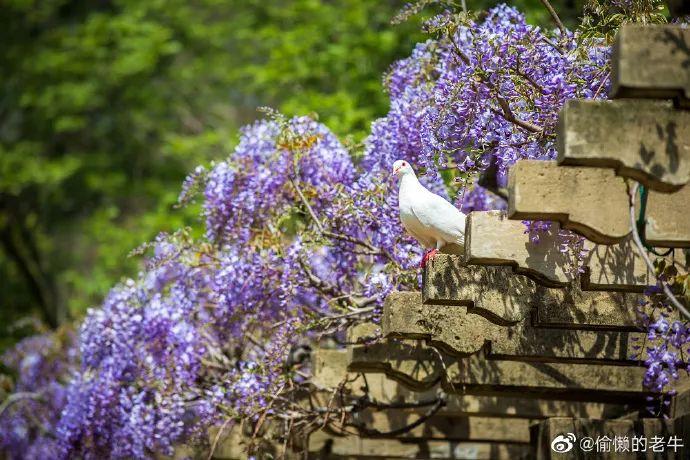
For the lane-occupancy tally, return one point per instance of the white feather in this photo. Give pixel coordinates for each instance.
(429, 218)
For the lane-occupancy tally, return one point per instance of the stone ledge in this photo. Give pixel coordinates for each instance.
(386, 390)
(493, 239)
(647, 141)
(373, 361)
(651, 61)
(504, 297)
(593, 202)
(460, 332)
(421, 367)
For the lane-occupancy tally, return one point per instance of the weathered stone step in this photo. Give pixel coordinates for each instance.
(651, 61)
(648, 141)
(459, 331)
(504, 297)
(420, 367)
(594, 203)
(325, 446)
(330, 370)
(493, 239)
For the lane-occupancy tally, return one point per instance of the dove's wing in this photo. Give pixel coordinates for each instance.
(440, 219)
(415, 228)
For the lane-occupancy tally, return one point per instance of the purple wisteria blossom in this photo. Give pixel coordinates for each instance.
(43, 363)
(485, 91)
(664, 349)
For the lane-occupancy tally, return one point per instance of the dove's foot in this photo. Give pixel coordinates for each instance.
(427, 256)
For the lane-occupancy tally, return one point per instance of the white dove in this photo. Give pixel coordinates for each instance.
(431, 219)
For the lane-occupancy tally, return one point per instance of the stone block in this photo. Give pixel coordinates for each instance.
(374, 362)
(493, 239)
(329, 367)
(620, 267)
(504, 297)
(388, 391)
(592, 202)
(461, 332)
(681, 428)
(668, 220)
(231, 444)
(421, 367)
(651, 61)
(647, 141)
(681, 403)
(409, 362)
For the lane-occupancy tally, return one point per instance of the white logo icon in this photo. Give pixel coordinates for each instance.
(563, 443)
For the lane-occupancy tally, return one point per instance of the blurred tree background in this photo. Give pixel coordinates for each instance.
(105, 105)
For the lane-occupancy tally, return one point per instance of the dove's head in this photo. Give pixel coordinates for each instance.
(402, 168)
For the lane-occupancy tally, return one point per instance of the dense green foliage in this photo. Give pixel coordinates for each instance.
(106, 105)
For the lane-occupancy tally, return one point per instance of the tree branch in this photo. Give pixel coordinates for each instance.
(30, 269)
(510, 116)
(306, 203)
(554, 16)
(16, 397)
(374, 250)
(505, 106)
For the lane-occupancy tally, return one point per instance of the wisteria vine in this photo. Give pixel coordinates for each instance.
(299, 241)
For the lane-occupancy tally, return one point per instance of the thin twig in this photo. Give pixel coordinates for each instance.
(352, 313)
(555, 17)
(338, 236)
(601, 85)
(643, 252)
(217, 437)
(546, 40)
(306, 203)
(16, 397)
